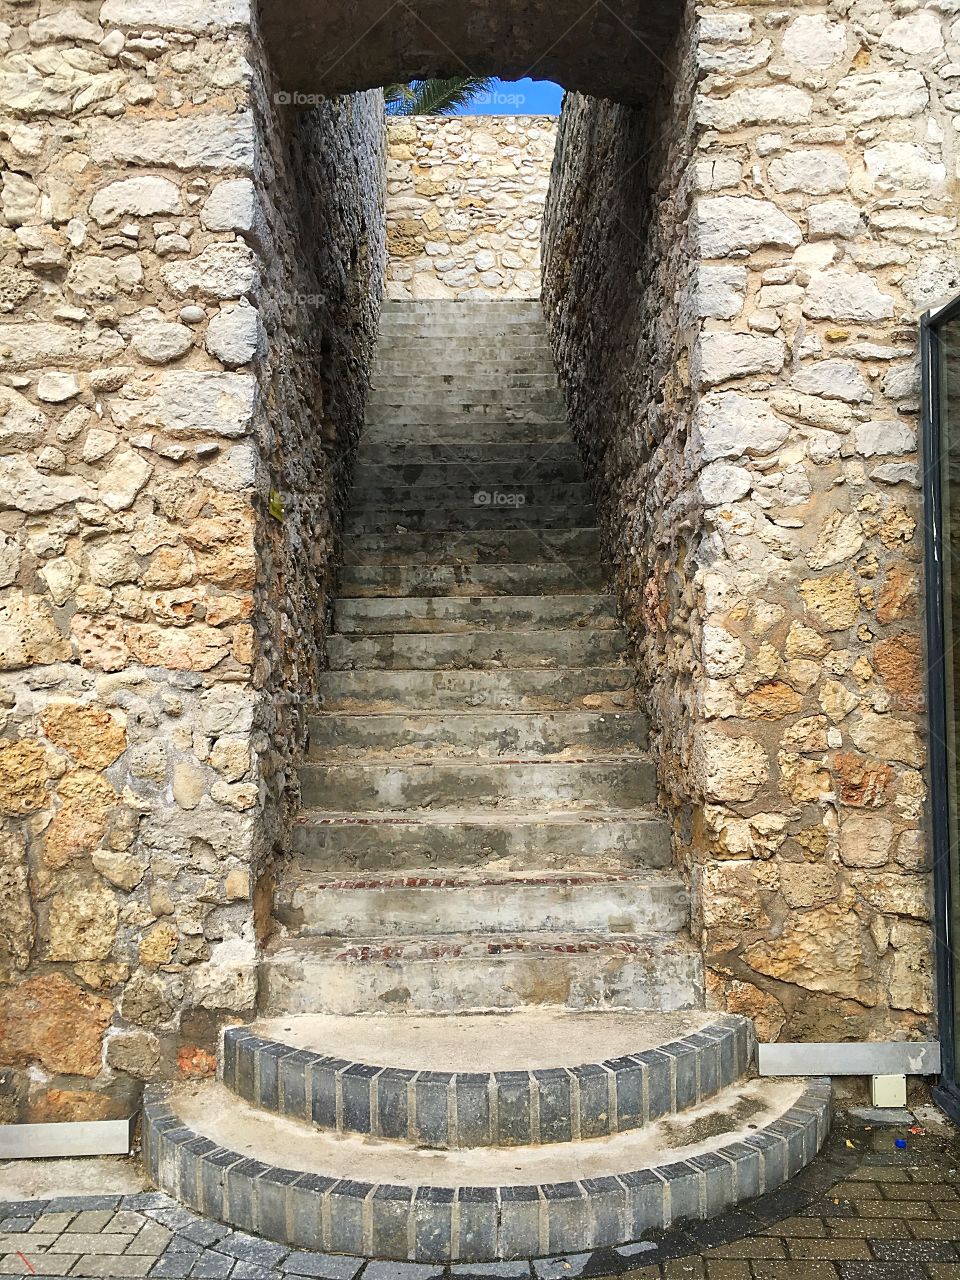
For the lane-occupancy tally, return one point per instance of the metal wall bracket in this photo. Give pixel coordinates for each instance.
(866, 1058)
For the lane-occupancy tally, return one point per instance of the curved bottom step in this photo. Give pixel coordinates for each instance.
(285, 1180)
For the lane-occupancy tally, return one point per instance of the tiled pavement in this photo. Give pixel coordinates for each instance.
(864, 1211)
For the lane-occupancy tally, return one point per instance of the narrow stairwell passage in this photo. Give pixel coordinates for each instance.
(479, 840)
(480, 827)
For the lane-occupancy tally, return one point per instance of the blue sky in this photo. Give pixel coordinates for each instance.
(518, 98)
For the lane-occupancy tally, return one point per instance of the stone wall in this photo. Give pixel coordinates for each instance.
(733, 285)
(465, 200)
(189, 281)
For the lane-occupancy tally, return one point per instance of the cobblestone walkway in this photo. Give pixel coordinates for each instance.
(893, 1215)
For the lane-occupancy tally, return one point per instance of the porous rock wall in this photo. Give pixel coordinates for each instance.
(190, 277)
(733, 283)
(465, 200)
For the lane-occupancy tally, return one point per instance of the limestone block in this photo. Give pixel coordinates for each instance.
(52, 1021)
(841, 295)
(724, 224)
(209, 141)
(67, 26)
(917, 34)
(20, 198)
(866, 841)
(881, 95)
(718, 291)
(189, 403)
(768, 104)
(721, 356)
(31, 346)
(231, 206)
(223, 270)
(730, 425)
(888, 738)
(141, 197)
(814, 171)
(161, 342)
(831, 218)
(725, 768)
(81, 922)
(903, 166)
(814, 41)
(233, 335)
(834, 379)
(22, 424)
(721, 482)
(175, 15)
(126, 475)
(826, 949)
(92, 736)
(884, 437)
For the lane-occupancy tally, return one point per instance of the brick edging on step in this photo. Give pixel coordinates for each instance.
(474, 1224)
(503, 1108)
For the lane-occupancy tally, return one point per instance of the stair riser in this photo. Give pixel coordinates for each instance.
(477, 490)
(468, 517)
(660, 980)
(480, 547)
(503, 369)
(442, 614)
(506, 329)
(530, 471)
(585, 575)
(587, 1101)
(425, 652)
(419, 453)
(570, 847)
(478, 735)
(416, 418)
(481, 380)
(615, 907)
(607, 688)
(455, 432)
(509, 788)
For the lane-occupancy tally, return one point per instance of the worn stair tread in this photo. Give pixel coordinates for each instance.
(480, 734)
(535, 1039)
(464, 816)
(482, 546)
(516, 689)
(390, 581)
(731, 1117)
(362, 615)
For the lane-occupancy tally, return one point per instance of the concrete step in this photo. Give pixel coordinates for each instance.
(483, 367)
(467, 974)
(488, 1080)
(468, 453)
(531, 469)
(449, 410)
(516, 786)
(478, 650)
(569, 842)
(483, 546)
(456, 431)
(553, 578)
(468, 516)
(475, 490)
(473, 613)
(587, 688)
(528, 309)
(352, 1194)
(342, 736)
(464, 325)
(477, 378)
(426, 904)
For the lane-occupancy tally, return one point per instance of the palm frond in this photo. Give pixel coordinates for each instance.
(440, 97)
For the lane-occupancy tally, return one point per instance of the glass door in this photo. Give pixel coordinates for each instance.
(940, 359)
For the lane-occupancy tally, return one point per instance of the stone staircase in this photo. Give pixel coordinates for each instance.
(479, 839)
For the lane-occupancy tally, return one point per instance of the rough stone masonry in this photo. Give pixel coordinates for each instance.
(767, 237)
(190, 275)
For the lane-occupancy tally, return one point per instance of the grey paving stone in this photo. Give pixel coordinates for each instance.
(23, 1208)
(99, 1264)
(78, 1204)
(173, 1266)
(147, 1200)
(11, 1264)
(213, 1266)
(83, 1242)
(16, 1224)
(491, 1271)
(252, 1249)
(401, 1271)
(52, 1223)
(253, 1271)
(127, 1221)
(636, 1251)
(152, 1238)
(177, 1218)
(204, 1232)
(91, 1220)
(561, 1268)
(324, 1266)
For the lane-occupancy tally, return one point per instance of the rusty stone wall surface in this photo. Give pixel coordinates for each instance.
(189, 279)
(465, 199)
(762, 244)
